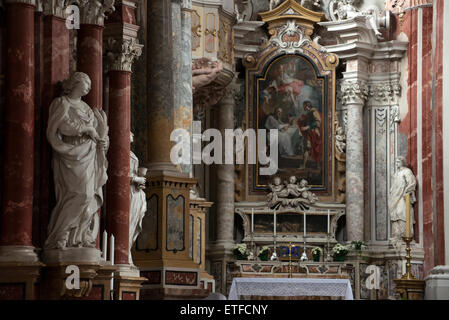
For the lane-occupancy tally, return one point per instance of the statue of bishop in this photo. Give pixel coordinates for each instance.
(403, 183)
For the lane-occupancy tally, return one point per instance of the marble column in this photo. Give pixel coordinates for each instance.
(90, 47)
(225, 177)
(56, 65)
(184, 114)
(18, 152)
(160, 84)
(121, 54)
(354, 95)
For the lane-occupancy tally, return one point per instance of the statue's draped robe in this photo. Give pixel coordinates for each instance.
(403, 183)
(138, 205)
(79, 169)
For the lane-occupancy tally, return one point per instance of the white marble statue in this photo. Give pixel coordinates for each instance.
(78, 135)
(346, 9)
(138, 202)
(403, 183)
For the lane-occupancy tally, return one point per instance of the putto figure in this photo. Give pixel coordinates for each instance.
(403, 183)
(79, 138)
(138, 202)
(290, 194)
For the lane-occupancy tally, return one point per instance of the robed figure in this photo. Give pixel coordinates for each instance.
(402, 184)
(138, 202)
(78, 135)
(310, 126)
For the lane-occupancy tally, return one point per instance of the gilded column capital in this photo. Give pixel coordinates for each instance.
(94, 12)
(121, 53)
(354, 92)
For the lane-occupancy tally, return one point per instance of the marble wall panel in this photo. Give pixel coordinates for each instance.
(381, 217)
(175, 223)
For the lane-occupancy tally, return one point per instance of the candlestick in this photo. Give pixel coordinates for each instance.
(275, 223)
(407, 217)
(328, 220)
(105, 245)
(304, 224)
(252, 220)
(111, 243)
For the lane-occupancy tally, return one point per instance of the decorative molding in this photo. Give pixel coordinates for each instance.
(121, 53)
(394, 117)
(94, 12)
(381, 117)
(291, 38)
(354, 92)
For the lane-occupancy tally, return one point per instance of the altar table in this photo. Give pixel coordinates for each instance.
(290, 287)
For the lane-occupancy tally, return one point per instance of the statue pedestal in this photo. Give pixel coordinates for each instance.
(437, 284)
(127, 283)
(81, 263)
(71, 255)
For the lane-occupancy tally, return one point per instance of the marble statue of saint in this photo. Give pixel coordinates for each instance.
(403, 183)
(78, 135)
(138, 202)
(346, 9)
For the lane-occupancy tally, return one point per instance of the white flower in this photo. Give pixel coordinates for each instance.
(317, 251)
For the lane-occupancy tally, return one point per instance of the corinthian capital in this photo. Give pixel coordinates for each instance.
(354, 92)
(55, 7)
(94, 11)
(186, 4)
(121, 53)
(31, 2)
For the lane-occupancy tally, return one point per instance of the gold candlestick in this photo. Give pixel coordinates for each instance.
(290, 274)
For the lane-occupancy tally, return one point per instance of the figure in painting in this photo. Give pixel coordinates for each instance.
(79, 138)
(403, 183)
(274, 121)
(138, 202)
(310, 127)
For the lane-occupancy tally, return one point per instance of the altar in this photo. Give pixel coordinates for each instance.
(290, 287)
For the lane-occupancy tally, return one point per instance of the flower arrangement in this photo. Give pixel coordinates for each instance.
(340, 252)
(241, 251)
(263, 253)
(317, 252)
(358, 245)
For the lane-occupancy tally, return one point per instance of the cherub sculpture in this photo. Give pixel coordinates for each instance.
(340, 140)
(290, 194)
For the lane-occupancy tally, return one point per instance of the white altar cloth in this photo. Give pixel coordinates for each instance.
(290, 287)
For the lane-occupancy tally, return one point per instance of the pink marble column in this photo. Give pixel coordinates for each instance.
(121, 48)
(118, 187)
(18, 152)
(90, 61)
(56, 55)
